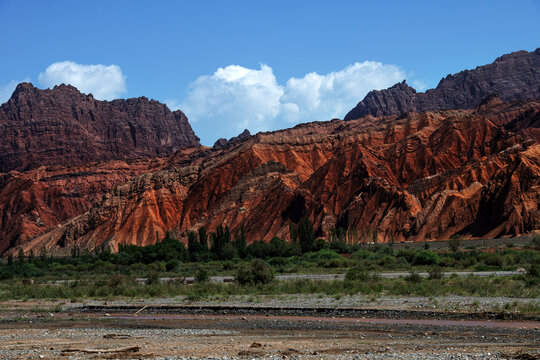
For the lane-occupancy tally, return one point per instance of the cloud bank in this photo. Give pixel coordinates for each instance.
(104, 82)
(235, 97)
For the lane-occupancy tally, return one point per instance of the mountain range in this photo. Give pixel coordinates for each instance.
(463, 158)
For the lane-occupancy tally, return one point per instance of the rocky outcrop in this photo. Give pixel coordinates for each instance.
(415, 177)
(222, 143)
(65, 127)
(513, 77)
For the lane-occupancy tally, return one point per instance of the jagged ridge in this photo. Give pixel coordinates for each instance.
(65, 127)
(512, 77)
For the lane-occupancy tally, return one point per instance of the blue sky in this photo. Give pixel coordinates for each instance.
(257, 64)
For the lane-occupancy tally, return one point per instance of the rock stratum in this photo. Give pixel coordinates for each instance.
(413, 177)
(391, 175)
(65, 127)
(512, 77)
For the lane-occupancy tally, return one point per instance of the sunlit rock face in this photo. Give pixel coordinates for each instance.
(419, 176)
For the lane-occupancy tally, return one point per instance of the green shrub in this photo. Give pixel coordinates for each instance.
(118, 280)
(425, 257)
(534, 271)
(256, 272)
(455, 242)
(447, 261)
(202, 275)
(319, 244)
(230, 265)
(158, 266)
(435, 273)
(172, 265)
(407, 254)
(361, 254)
(152, 278)
(357, 274)
(493, 259)
(322, 255)
(335, 263)
(387, 261)
(6, 274)
(278, 261)
(413, 278)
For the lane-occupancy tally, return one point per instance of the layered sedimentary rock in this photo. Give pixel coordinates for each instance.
(35, 201)
(414, 177)
(65, 127)
(512, 77)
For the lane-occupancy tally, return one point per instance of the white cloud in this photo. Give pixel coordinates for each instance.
(7, 90)
(232, 99)
(323, 97)
(104, 82)
(235, 98)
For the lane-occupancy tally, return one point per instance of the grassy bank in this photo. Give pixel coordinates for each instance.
(327, 260)
(519, 286)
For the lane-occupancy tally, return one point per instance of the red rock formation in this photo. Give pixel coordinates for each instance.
(38, 200)
(414, 177)
(64, 127)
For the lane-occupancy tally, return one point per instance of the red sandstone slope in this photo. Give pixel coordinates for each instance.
(418, 176)
(65, 127)
(35, 201)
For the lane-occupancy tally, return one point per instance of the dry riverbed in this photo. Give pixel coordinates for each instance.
(58, 330)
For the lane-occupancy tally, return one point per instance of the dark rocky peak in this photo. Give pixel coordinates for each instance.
(63, 126)
(242, 136)
(222, 143)
(514, 77)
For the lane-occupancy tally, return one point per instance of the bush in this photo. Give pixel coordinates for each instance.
(357, 274)
(172, 265)
(407, 254)
(202, 275)
(493, 259)
(425, 257)
(118, 280)
(335, 263)
(152, 278)
(278, 261)
(413, 278)
(322, 255)
(319, 244)
(158, 266)
(6, 274)
(138, 267)
(455, 242)
(435, 273)
(230, 265)
(361, 254)
(534, 271)
(256, 272)
(387, 261)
